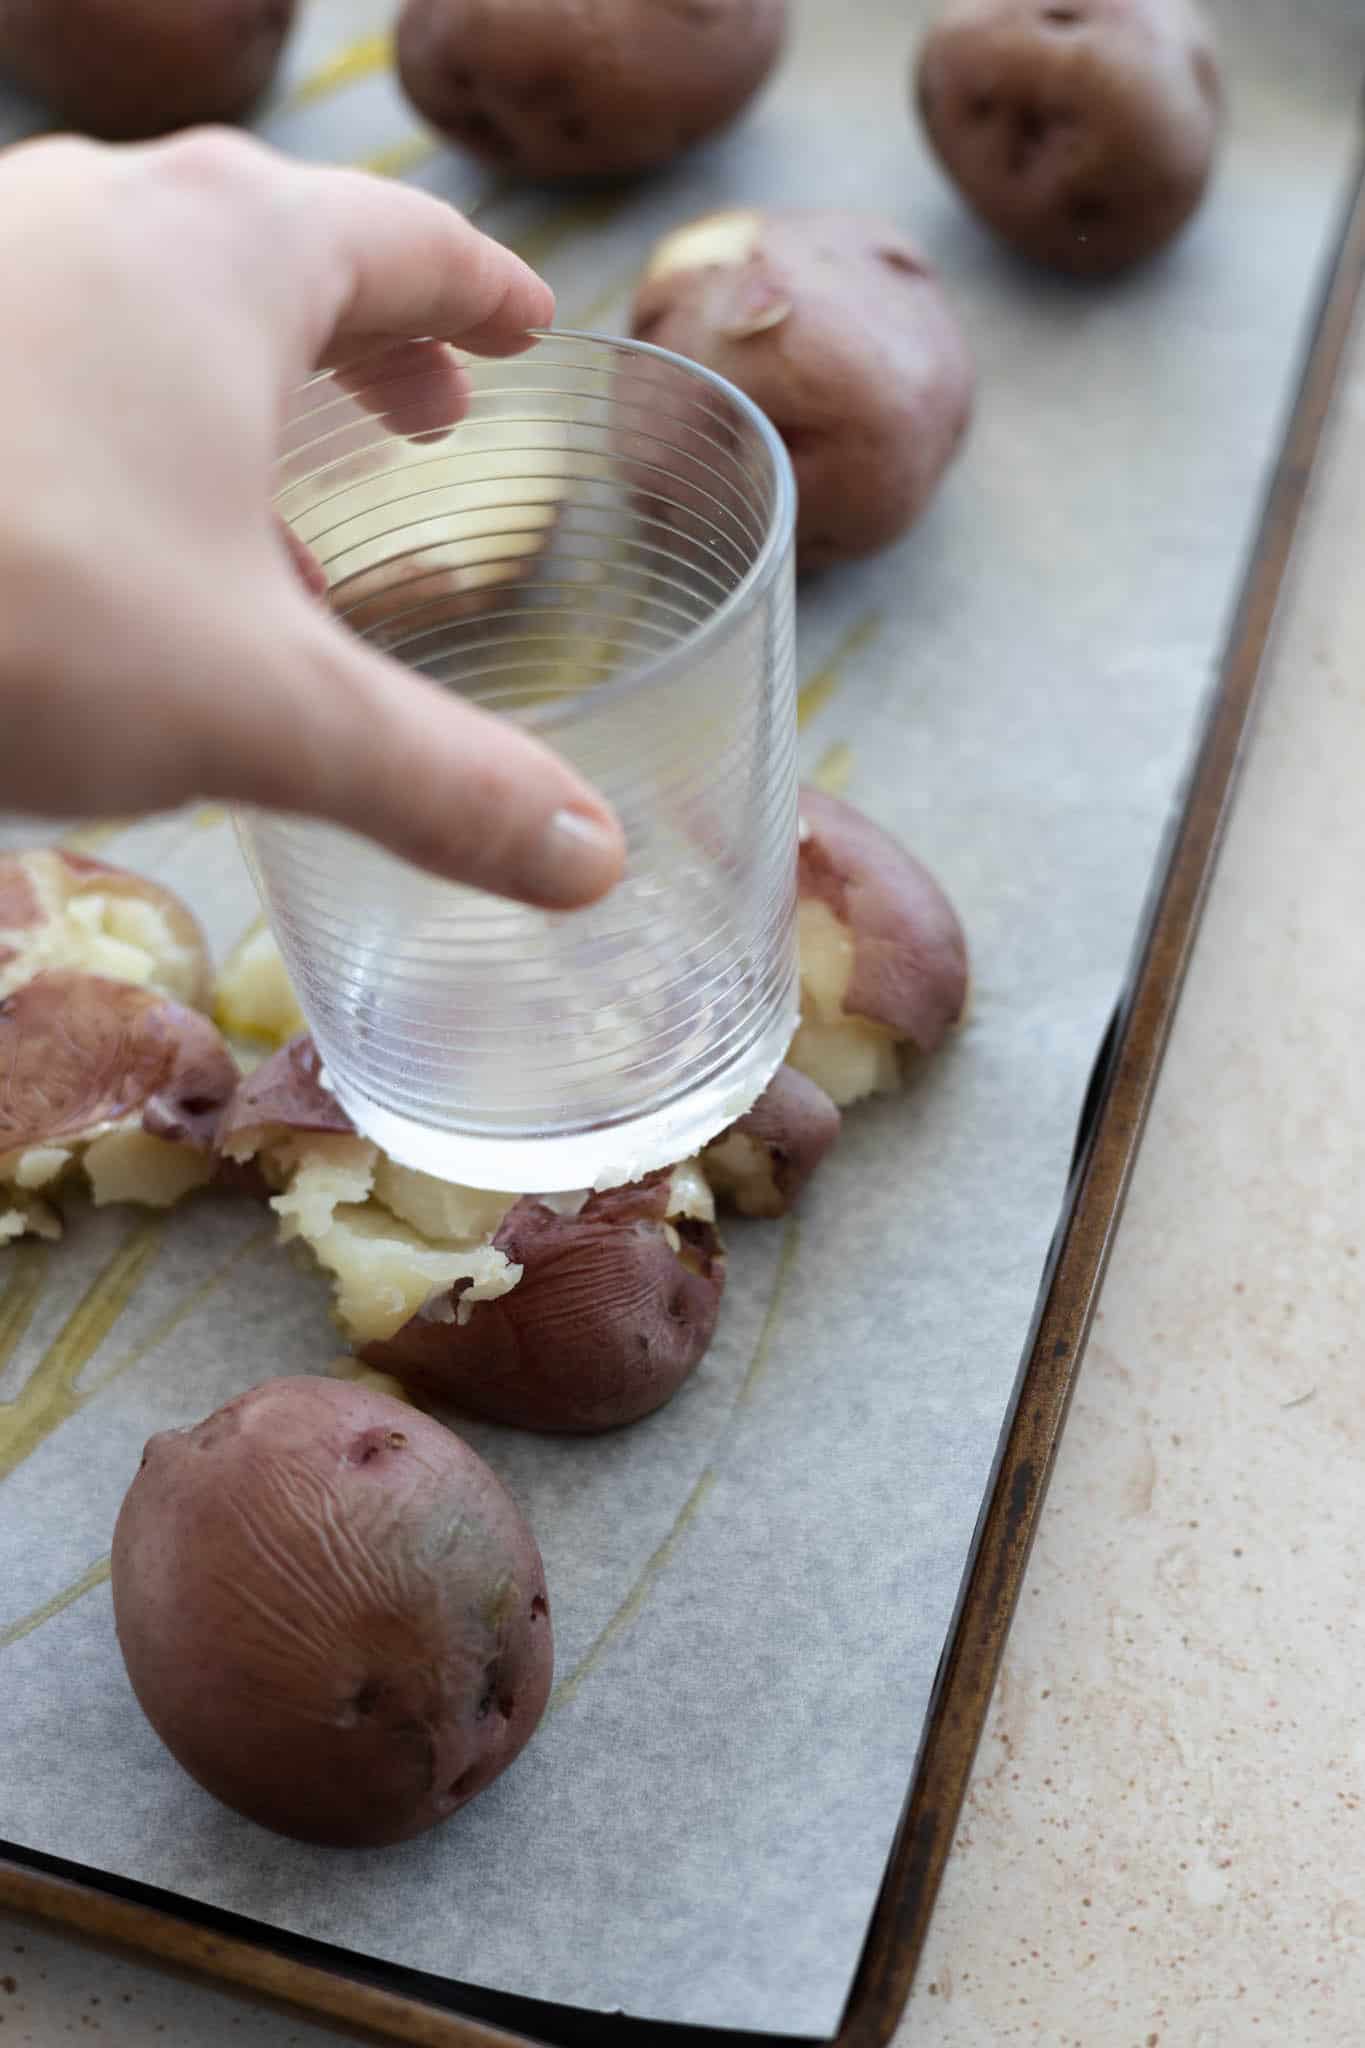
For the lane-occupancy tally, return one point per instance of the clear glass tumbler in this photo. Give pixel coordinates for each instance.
(601, 551)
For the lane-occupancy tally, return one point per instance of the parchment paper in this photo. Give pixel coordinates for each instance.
(751, 1590)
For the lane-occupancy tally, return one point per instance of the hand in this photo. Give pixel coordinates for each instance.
(157, 640)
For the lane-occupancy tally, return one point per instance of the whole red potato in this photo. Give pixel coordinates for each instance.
(331, 1611)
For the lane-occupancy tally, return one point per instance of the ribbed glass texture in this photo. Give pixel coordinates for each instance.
(601, 551)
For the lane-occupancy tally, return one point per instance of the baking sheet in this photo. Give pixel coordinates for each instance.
(751, 1590)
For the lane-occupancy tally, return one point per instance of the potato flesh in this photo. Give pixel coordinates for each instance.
(255, 997)
(849, 1057)
(121, 1162)
(384, 1270)
(741, 1168)
(133, 1166)
(689, 1193)
(125, 938)
(39, 1167)
(318, 1174)
(437, 1208)
(385, 1273)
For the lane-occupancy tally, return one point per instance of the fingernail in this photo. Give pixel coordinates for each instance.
(578, 859)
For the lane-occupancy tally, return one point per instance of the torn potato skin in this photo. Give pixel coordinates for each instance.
(837, 327)
(331, 1611)
(762, 1162)
(616, 1304)
(283, 1097)
(60, 909)
(116, 1078)
(883, 955)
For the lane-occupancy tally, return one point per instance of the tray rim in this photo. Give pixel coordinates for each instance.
(275, 1966)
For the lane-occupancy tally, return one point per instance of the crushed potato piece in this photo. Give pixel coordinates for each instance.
(689, 1193)
(38, 1167)
(132, 1166)
(255, 997)
(125, 938)
(849, 1057)
(439, 1209)
(386, 1273)
(321, 1174)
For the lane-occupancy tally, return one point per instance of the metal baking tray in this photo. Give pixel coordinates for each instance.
(403, 2004)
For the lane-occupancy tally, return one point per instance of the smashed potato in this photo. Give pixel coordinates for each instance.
(762, 1162)
(883, 957)
(63, 910)
(615, 1303)
(110, 1082)
(567, 1312)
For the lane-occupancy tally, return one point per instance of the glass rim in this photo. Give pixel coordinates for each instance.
(657, 670)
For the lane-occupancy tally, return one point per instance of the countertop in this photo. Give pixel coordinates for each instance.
(1160, 1842)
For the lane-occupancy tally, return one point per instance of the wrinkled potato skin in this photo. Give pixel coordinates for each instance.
(605, 1324)
(837, 327)
(125, 69)
(1083, 132)
(793, 1125)
(910, 954)
(331, 1611)
(595, 89)
(77, 1052)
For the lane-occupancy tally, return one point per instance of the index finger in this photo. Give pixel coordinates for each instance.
(390, 262)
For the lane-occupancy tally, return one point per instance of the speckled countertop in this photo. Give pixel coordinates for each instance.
(1162, 1842)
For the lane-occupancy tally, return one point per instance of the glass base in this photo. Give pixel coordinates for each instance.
(564, 1162)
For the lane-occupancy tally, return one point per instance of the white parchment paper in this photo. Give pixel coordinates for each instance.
(751, 1590)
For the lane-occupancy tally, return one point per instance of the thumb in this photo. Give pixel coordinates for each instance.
(369, 745)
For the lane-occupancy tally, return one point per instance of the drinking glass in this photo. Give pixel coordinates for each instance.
(600, 551)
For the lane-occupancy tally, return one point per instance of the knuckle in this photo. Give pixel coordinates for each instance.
(213, 160)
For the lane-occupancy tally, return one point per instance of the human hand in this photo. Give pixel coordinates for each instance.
(157, 639)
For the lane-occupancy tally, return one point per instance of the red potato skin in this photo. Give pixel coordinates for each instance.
(1083, 133)
(331, 1611)
(796, 1125)
(593, 89)
(605, 1324)
(910, 953)
(77, 1051)
(838, 329)
(128, 69)
(283, 1096)
(21, 906)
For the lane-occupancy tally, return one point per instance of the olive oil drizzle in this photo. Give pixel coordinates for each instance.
(50, 1395)
(94, 1575)
(28, 1264)
(354, 62)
